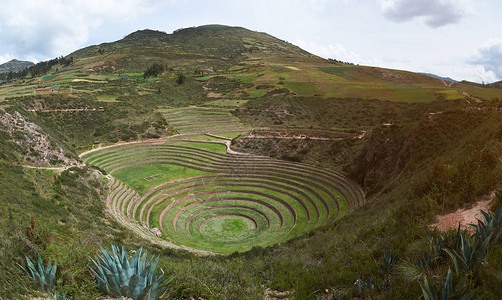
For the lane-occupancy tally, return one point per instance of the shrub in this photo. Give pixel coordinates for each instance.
(181, 79)
(37, 236)
(154, 70)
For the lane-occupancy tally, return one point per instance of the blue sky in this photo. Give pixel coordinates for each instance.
(461, 39)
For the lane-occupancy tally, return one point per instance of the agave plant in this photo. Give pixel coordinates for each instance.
(56, 296)
(387, 262)
(448, 290)
(471, 252)
(364, 286)
(491, 224)
(135, 279)
(440, 241)
(43, 277)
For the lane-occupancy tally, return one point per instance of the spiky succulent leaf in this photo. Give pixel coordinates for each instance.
(135, 278)
(447, 286)
(428, 290)
(43, 277)
(454, 258)
(448, 291)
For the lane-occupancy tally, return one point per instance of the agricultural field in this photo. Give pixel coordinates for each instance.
(201, 197)
(261, 72)
(71, 82)
(197, 120)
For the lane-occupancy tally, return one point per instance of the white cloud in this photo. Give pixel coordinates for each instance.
(488, 57)
(45, 28)
(435, 13)
(335, 51)
(5, 58)
(458, 71)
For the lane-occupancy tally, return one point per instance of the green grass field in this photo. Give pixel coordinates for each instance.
(200, 120)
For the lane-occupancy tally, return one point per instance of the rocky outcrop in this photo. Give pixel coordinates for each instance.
(39, 147)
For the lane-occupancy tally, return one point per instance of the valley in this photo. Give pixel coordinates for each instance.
(250, 167)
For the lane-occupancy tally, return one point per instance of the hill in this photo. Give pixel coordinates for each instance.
(205, 46)
(237, 63)
(15, 65)
(495, 85)
(250, 167)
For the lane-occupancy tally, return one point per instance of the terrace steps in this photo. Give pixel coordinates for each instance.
(272, 200)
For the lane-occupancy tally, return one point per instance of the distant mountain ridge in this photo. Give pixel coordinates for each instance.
(440, 77)
(15, 65)
(493, 85)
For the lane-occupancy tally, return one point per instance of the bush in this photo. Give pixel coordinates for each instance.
(154, 70)
(38, 237)
(181, 79)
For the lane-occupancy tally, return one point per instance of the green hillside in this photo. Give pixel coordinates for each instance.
(236, 63)
(252, 169)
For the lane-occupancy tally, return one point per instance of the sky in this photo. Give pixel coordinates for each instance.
(461, 39)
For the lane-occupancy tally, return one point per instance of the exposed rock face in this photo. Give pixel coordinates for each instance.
(39, 147)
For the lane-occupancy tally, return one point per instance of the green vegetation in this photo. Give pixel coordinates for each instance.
(204, 78)
(154, 70)
(181, 78)
(38, 69)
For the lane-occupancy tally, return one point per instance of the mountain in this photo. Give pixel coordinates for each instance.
(210, 45)
(440, 77)
(15, 65)
(254, 60)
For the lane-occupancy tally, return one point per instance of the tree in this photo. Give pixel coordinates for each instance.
(181, 79)
(154, 70)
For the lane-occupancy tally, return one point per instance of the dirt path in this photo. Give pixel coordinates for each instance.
(150, 141)
(47, 168)
(67, 109)
(218, 136)
(468, 95)
(318, 135)
(464, 216)
(63, 168)
(291, 138)
(178, 137)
